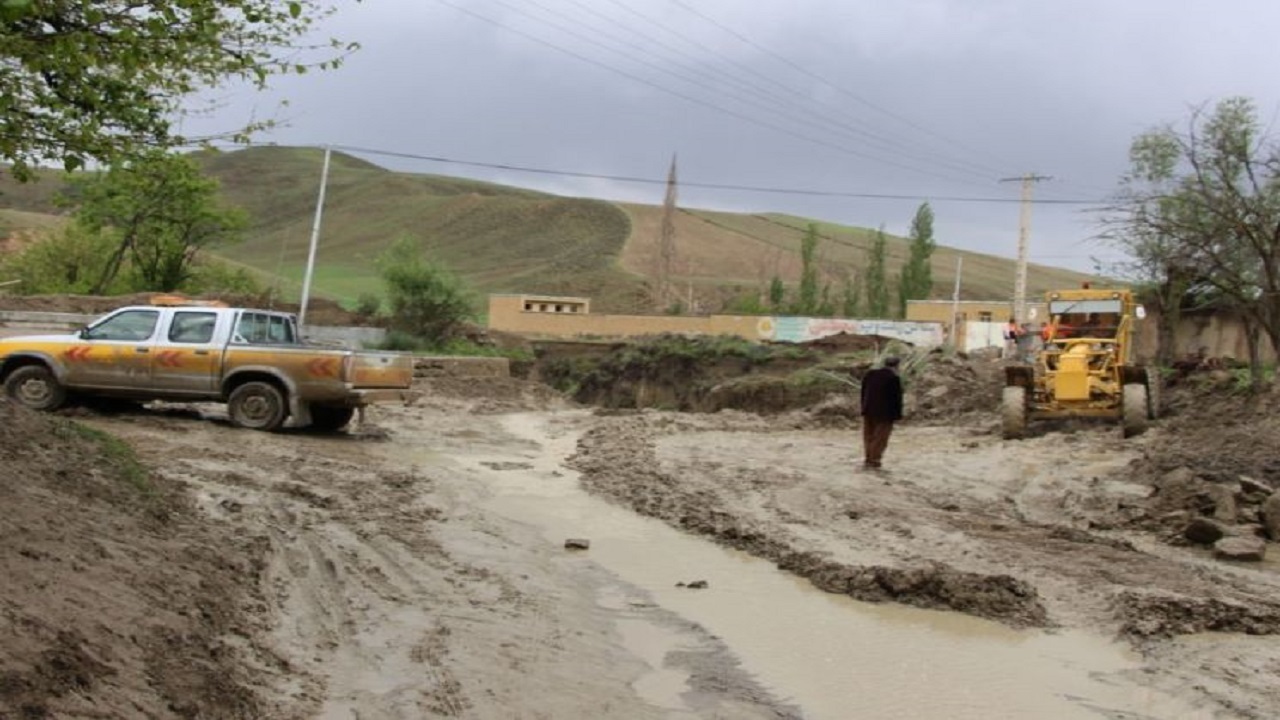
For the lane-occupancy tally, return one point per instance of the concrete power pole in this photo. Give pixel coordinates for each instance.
(315, 237)
(1024, 232)
(666, 254)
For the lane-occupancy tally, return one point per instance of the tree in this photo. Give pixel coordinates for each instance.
(850, 292)
(159, 212)
(1203, 205)
(777, 293)
(807, 295)
(104, 80)
(67, 261)
(874, 278)
(426, 300)
(916, 279)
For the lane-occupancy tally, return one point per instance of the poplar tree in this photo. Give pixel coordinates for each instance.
(876, 283)
(916, 278)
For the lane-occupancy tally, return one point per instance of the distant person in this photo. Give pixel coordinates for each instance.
(1055, 329)
(881, 408)
(1012, 332)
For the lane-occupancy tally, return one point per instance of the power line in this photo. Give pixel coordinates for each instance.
(695, 100)
(738, 88)
(767, 102)
(814, 76)
(869, 132)
(707, 185)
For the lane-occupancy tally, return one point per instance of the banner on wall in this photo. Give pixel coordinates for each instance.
(802, 329)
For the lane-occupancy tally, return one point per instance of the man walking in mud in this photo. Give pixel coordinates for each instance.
(881, 408)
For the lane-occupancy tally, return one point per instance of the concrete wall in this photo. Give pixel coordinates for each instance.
(507, 313)
(1217, 334)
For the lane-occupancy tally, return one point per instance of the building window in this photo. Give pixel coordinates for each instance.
(559, 308)
(984, 317)
(528, 307)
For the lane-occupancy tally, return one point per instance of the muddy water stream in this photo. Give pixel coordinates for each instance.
(828, 655)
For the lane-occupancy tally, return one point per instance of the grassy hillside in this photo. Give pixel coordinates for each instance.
(506, 239)
(499, 239)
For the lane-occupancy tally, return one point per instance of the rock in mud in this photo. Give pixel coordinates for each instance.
(1252, 485)
(1204, 531)
(1244, 548)
(577, 544)
(1224, 503)
(1271, 516)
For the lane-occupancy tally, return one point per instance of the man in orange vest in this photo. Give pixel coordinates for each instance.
(1011, 334)
(1055, 329)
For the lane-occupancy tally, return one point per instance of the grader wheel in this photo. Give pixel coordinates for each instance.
(1013, 408)
(1137, 405)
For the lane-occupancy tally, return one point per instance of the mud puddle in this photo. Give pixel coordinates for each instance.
(828, 655)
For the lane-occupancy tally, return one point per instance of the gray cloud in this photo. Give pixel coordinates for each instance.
(930, 98)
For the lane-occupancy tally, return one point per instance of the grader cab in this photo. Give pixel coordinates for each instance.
(1084, 366)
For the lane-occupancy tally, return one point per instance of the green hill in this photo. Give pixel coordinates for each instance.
(507, 239)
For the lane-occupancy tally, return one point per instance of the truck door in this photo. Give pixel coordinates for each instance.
(186, 358)
(116, 352)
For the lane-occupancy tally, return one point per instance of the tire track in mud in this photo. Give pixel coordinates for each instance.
(350, 573)
(617, 459)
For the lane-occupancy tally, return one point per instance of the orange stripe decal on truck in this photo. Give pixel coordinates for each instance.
(323, 367)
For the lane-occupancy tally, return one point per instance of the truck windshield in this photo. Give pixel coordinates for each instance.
(265, 329)
(130, 325)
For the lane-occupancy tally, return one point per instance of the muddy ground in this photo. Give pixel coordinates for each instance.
(363, 575)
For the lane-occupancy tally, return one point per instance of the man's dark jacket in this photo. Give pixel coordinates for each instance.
(882, 395)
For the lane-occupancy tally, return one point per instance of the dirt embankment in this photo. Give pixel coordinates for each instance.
(119, 599)
(712, 374)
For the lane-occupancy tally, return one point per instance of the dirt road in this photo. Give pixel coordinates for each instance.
(416, 568)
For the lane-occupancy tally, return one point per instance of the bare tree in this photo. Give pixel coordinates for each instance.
(1202, 204)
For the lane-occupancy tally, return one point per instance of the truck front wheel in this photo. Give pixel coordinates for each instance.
(36, 387)
(257, 406)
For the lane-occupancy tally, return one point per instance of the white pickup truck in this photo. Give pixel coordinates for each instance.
(253, 360)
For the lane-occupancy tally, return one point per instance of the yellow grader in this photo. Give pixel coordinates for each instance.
(1084, 366)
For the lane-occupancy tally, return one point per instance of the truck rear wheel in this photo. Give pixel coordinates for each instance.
(36, 387)
(257, 406)
(1134, 411)
(1013, 409)
(328, 418)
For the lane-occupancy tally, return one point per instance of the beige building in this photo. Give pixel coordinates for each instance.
(570, 318)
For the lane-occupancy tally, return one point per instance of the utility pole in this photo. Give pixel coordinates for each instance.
(1024, 231)
(666, 255)
(955, 305)
(315, 237)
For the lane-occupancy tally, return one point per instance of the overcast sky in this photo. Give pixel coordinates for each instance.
(931, 99)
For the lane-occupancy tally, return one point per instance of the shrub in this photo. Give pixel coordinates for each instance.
(426, 300)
